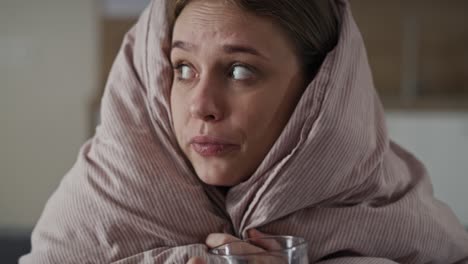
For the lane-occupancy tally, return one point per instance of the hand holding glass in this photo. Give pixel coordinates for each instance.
(270, 249)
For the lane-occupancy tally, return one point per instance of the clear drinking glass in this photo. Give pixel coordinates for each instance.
(270, 249)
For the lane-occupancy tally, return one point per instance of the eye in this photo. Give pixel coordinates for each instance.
(241, 72)
(184, 72)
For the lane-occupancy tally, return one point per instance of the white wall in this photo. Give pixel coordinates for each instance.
(440, 140)
(48, 70)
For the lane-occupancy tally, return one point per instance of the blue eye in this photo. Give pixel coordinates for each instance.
(241, 73)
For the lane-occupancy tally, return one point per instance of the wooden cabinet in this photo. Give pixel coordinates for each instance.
(417, 50)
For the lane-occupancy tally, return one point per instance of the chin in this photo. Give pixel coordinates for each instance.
(216, 178)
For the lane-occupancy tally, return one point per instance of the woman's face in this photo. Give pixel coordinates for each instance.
(236, 82)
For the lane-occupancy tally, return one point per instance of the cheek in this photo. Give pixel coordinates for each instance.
(254, 115)
(263, 115)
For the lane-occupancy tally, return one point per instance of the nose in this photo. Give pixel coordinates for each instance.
(206, 102)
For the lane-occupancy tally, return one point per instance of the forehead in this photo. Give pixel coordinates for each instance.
(208, 20)
(212, 11)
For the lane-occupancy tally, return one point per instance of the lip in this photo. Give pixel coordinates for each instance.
(209, 146)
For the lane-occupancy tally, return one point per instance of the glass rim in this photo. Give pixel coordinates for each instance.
(302, 243)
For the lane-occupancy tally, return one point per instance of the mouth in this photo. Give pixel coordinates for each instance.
(208, 146)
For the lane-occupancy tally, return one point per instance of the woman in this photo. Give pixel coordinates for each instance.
(226, 119)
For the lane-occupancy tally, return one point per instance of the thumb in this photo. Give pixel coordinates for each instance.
(254, 233)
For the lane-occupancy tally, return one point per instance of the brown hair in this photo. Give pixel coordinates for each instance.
(312, 25)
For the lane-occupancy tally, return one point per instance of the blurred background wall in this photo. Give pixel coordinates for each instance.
(48, 73)
(55, 56)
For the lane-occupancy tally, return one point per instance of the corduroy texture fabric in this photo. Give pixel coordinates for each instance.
(333, 176)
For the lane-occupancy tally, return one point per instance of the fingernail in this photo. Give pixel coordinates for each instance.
(212, 237)
(215, 239)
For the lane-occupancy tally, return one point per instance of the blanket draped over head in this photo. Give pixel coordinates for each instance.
(333, 176)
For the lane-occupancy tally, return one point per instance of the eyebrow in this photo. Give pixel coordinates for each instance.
(183, 45)
(242, 49)
(230, 49)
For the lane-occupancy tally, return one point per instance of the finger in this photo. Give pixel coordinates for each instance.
(235, 244)
(218, 239)
(267, 244)
(240, 248)
(270, 259)
(196, 260)
(247, 248)
(252, 233)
